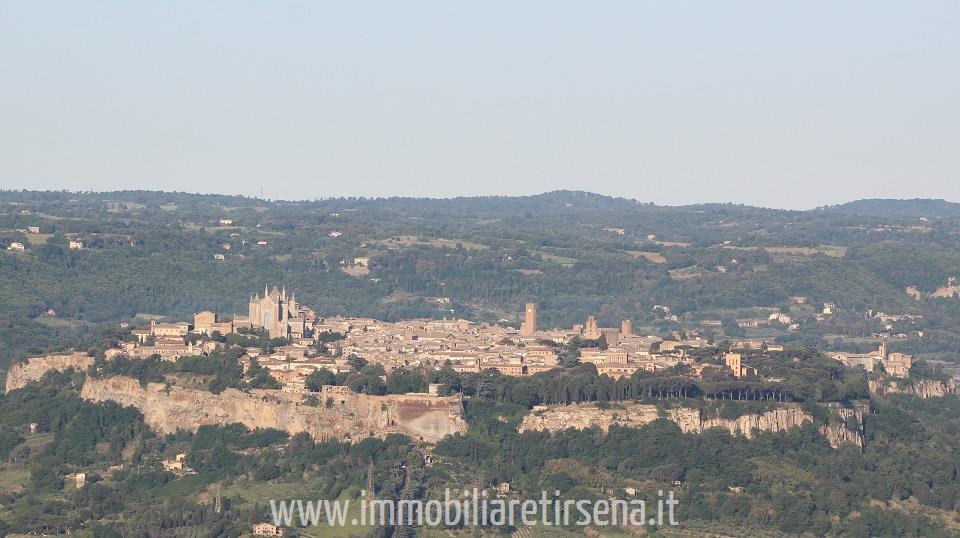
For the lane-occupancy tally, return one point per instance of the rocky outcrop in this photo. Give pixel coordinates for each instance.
(689, 420)
(950, 291)
(846, 427)
(349, 416)
(912, 291)
(776, 420)
(923, 389)
(33, 368)
(584, 416)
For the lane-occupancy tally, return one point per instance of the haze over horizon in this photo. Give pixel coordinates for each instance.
(491, 195)
(664, 103)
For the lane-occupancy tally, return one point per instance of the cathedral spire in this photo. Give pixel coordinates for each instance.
(266, 292)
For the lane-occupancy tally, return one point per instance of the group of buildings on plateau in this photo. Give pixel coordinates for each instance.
(462, 345)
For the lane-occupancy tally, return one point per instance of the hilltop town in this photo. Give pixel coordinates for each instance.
(305, 342)
(189, 349)
(355, 371)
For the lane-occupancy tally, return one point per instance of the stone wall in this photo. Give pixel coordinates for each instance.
(32, 369)
(350, 417)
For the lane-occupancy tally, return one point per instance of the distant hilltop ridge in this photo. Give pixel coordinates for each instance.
(916, 207)
(566, 199)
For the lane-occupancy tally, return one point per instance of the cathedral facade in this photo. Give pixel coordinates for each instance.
(278, 314)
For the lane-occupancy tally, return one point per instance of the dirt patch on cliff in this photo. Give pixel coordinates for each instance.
(412, 410)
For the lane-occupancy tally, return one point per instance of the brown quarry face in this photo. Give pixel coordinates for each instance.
(430, 417)
(411, 410)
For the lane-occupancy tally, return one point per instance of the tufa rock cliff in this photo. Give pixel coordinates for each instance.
(923, 389)
(848, 428)
(33, 368)
(687, 418)
(350, 416)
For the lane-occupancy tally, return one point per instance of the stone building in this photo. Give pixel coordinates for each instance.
(266, 529)
(894, 364)
(207, 322)
(618, 370)
(591, 331)
(734, 363)
(175, 330)
(529, 324)
(279, 315)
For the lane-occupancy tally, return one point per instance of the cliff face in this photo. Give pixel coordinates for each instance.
(587, 416)
(926, 388)
(351, 416)
(688, 419)
(22, 373)
(848, 429)
(776, 420)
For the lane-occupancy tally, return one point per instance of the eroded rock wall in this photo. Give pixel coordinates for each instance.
(350, 417)
(925, 388)
(687, 418)
(33, 368)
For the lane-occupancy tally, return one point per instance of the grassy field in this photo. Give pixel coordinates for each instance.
(562, 260)
(654, 257)
(404, 241)
(38, 239)
(193, 226)
(683, 273)
(12, 478)
(676, 244)
(784, 253)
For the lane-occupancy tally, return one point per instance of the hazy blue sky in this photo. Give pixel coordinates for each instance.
(673, 102)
